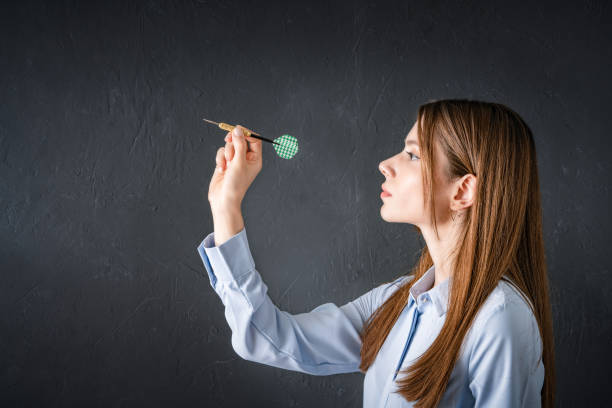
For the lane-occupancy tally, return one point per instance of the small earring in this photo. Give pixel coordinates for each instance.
(453, 216)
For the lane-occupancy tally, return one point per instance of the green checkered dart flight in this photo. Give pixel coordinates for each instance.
(285, 146)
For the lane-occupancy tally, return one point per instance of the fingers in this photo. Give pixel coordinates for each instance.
(239, 143)
(220, 159)
(253, 146)
(229, 152)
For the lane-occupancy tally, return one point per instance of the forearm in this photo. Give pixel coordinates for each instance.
(227, 223)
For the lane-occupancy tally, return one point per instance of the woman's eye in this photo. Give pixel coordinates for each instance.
(412, 155)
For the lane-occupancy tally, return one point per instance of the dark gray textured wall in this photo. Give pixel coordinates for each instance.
(105, 165)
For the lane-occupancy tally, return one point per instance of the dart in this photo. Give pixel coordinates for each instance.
(286, 146)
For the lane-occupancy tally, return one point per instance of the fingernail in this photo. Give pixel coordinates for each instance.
(237, 132)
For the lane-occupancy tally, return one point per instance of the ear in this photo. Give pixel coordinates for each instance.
(464, 192)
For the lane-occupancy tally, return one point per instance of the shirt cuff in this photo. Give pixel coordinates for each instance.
(228, 261)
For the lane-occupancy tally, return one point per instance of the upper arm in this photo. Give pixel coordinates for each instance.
(504, 367)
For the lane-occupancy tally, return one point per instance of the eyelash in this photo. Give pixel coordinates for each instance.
(413, 155)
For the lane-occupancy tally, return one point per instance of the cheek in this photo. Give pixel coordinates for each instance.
(410, 191)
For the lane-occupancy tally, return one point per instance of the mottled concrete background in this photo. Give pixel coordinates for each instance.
(105, 166)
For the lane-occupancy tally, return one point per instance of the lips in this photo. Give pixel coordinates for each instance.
(384, 190)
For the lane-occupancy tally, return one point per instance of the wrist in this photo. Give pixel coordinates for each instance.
(225, 208)
(227, 223)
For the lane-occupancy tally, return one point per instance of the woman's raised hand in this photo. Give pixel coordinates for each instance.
(237, 165)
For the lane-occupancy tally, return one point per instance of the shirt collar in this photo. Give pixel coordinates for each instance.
(438, 295)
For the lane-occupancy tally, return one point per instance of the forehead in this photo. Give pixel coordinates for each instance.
(411, 140)
(411, 137)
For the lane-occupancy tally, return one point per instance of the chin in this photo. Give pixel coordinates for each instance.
(386, 218)
(381, 213)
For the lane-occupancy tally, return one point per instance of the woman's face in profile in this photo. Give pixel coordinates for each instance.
(404, 182)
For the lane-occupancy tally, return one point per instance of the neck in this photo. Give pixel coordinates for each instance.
(440, 277)
(440, 251)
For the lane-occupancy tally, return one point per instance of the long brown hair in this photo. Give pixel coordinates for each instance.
(501, 234)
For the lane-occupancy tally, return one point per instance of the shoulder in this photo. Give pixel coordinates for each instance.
(385, 290)
(505, 304)
(373, 299)
(506, 324)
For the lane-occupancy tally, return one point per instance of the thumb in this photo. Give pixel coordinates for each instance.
(240, 144)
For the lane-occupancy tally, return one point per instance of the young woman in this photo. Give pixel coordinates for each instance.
(470, 326)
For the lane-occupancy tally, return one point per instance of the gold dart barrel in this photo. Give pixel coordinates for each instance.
(229, 128)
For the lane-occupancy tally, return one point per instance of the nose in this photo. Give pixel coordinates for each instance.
(383, 169)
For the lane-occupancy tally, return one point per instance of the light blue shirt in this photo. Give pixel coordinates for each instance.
(499, 365)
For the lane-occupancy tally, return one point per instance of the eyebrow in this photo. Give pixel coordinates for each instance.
(411, 142)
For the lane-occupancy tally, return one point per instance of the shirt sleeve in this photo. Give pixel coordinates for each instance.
(323, 341)
(505, 369)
